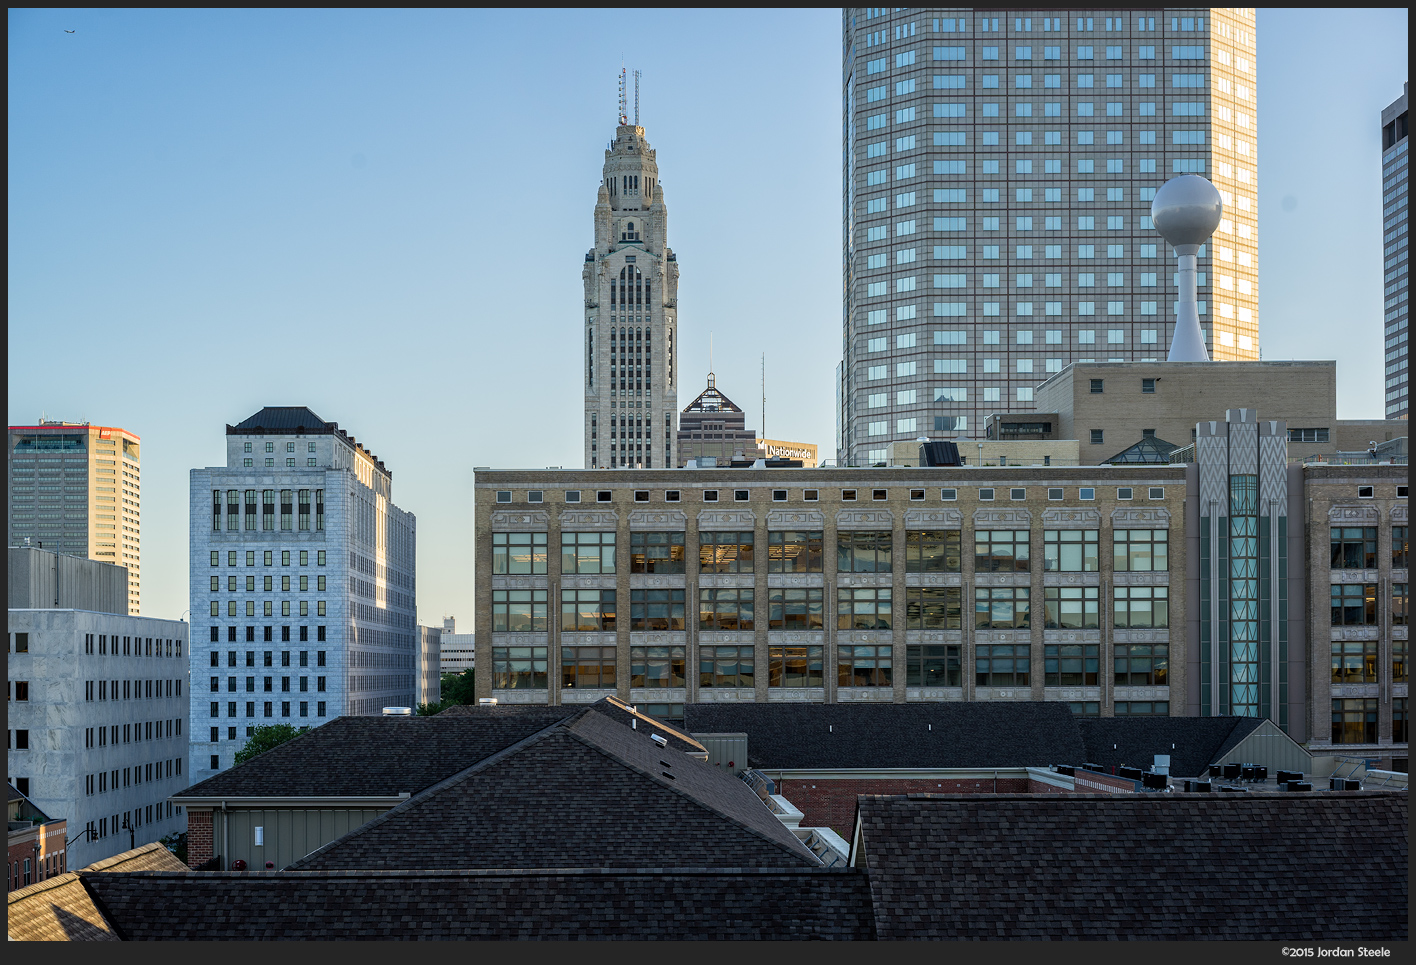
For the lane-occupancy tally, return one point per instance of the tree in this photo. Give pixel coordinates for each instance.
(428, 710)
(264, 738)
(459, 688)
(176, 842)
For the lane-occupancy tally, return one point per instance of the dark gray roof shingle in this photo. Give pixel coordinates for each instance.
(588, 792)
(1293, 867)
(1193, 743)
(714, 904)
(918, 735)
(612, 707)
(376, 756)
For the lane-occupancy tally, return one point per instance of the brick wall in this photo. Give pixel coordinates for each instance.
(199, 838)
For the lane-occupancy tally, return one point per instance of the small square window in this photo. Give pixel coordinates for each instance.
(1097, 435)
(916, 494)
(1157, 492)
(811, 495)
(1017, 494)
(948, 495)
(779, 495)
(1054, 493)
(1148, 386)
(1096, 386)
(603, 495)
(572, 495)
(671, 495)
(848, 495)
(985, 494)
(1364, 492)
(1086, 492)
(879, 494)
(535, 496)
(740, 495)
(1123, 492)
(1400, 492)
(710, 495)
(641, 495)
(503, 496)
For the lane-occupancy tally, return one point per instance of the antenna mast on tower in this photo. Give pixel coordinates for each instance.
(636, 98)
(624, 119)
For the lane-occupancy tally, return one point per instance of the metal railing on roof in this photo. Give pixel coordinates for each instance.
(1353, 459)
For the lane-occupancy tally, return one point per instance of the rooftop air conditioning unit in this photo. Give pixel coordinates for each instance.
(486, 701)
(398, 711)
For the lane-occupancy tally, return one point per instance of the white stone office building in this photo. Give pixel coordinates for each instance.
(97, 734)
(998, 170)
(302, 584)
(429, 665)
(631, 312)
(76, 489)
(456, 651)
(1394, 220)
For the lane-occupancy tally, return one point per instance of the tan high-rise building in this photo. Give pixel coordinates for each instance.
(631, 313)
(999, 168)
(75, 488)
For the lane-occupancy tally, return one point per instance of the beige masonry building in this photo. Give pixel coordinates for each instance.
(1107, 407)
(667, 587)
(1357, 560)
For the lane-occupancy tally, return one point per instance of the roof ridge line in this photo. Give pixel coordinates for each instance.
(446, 782)
(673, 787)
(647, 871)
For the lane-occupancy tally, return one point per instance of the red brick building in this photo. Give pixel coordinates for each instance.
(36, 843)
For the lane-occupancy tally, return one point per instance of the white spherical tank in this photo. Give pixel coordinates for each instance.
(1186, 210)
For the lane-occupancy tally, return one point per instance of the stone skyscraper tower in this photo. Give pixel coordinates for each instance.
(631, 309)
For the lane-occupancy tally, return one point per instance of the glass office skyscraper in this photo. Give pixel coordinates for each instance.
(997, 179)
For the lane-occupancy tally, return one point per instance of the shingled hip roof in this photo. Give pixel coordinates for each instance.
(545, 904)
(586, 791)
(374, 756)
(792, 736)
(61, 909)
(1192, 743)
(1294, 867)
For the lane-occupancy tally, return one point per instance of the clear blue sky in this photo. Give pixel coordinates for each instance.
(383, 215)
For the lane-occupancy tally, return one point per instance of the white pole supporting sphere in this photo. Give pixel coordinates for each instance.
(1186, 211)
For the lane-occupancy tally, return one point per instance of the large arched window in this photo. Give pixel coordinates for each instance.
(631, 291)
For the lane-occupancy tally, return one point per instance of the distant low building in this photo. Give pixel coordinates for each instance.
(806, 452)
(713, 430)
(996, 452)
(457, 651)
